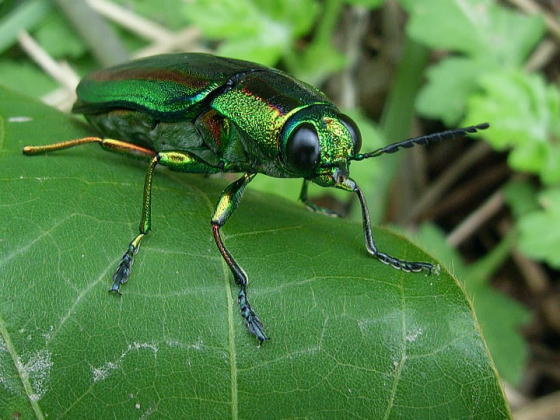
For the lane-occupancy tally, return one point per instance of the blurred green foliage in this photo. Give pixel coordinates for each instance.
(526, 111)
(484, 38)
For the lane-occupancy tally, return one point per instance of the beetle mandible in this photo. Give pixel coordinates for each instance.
(205, 114)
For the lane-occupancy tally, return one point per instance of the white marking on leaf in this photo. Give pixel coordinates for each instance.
(147, 413)
(37, 370)
(413, 335)
(47, 335)
(101, 373)
(19, 119)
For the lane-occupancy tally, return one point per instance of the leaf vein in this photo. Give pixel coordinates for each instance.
(23, 376)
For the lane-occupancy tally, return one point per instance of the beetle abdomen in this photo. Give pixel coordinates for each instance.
(139, 128)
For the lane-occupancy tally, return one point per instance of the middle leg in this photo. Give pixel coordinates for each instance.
(181, 161)
(228, 202)
(125, 265)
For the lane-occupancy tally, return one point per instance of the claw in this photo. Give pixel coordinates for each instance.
(123, 272)
(255, 327)
(252, 321)
(125, 266)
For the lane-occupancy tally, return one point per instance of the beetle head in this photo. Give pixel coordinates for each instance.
(316, 143)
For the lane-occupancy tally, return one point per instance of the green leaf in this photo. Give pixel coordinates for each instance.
(315, 63)
(450, 83)
(489, 35)
(372, 4)
(525, 115)
(56, 36)
(477, 28)
(165, 12)
(521, 197)
(349, 335)
(20, 18)
(539, 231)
(538, 224)
(25, 77)
(500, 317)
(253, 30)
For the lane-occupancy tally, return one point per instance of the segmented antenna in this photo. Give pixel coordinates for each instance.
(422, 140)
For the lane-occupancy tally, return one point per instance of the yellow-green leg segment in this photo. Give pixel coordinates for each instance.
(181, 161)
(228, 202)
(123, 270)
(108, 144)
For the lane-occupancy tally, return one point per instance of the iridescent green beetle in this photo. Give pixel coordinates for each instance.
(205, 114)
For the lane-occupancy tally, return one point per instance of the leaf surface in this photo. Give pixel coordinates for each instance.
(501, 318)
(350, 337)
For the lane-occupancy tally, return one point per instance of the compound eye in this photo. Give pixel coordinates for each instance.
(302, 148)
(354, 132)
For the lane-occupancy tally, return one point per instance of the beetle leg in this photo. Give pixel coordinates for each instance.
(228, 202)
(311, 206)
(181, 161)
(123, 271)
(349, 185)
(109, 144)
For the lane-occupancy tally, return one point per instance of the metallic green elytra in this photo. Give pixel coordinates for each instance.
(200, 113)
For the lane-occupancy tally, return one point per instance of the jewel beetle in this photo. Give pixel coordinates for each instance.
(200, 113)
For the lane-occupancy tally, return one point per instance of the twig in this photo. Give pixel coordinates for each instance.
(442, 184)
(476, 219)
(94, 30)
(61, 99)
(535, 276)
(515, 398)
(547, 407)
(538, 282)
(542, 55)
(23, 17)
(137, 24)
(185, 40)
(531, 7)
(358, 17)
(63, 74)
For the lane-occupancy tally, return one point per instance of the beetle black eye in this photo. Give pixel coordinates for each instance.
(354, 132)
(302, 148)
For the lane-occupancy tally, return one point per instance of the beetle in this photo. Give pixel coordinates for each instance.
(201, 113)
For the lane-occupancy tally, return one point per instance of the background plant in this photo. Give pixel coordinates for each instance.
(397, 67)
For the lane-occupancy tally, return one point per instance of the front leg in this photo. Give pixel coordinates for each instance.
(312, 206)
(228, 202)
(349, 185)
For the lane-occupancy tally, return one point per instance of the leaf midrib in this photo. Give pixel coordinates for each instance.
(230, 303)
(24, 378)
